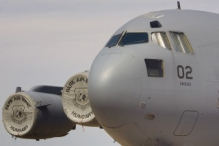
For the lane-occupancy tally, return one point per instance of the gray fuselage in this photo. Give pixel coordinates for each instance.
(178, 107)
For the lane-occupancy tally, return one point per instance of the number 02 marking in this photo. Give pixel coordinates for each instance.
(184, 72)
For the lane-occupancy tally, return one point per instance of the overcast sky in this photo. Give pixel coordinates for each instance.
(46, 42)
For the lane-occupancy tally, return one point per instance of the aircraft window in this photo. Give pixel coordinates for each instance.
(181, 42)
(161, 39)
(114, 40)
(155, 24)
(154, 67)
(134, 38)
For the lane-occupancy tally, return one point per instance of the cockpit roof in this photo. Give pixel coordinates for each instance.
(193, 22)
(172, 19)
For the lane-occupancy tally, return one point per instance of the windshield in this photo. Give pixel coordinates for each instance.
(181, 42)
(161, 39)
(134, 38)
(114, 40)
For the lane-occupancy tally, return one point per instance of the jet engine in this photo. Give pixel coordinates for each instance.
(76, 101)
(35, 115)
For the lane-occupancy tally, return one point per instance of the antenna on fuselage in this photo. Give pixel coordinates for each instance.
(178, 4)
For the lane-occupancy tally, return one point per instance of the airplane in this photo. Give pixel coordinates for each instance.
(154, 83)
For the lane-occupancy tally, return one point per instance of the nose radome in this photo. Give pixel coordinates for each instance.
(114, 88)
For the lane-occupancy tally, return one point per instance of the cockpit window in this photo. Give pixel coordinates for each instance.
(181, 42)
(161, 39)
(130, 38)
(154, 67)
(114, 40)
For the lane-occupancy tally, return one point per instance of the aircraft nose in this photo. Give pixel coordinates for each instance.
(114, 88)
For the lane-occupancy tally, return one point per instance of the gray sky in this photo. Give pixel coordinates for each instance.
(46, 42)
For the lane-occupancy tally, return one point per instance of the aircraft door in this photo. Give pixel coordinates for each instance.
(186, 123)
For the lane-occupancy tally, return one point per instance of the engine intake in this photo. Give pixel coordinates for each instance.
(76, 100)
(35, 115)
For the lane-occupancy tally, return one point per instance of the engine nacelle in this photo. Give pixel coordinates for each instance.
(35, 115)
(76, 101)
